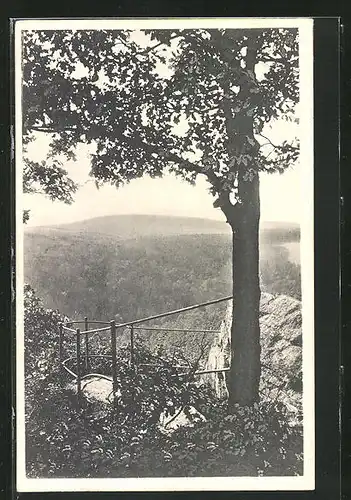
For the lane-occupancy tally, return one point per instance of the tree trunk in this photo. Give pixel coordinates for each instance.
(245, 371)
(244, 218)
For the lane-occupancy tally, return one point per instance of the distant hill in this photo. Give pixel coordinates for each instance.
(134, 226)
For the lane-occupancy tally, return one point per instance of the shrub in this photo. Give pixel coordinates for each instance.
(40, 345)
(247, 441)
(96, 440)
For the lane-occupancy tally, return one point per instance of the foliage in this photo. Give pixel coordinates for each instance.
(25, 217)
(279, 275)
(249, 440)
(50, 180)
(280, 234)
(64, 440)
(40, 344)
(101, 277)
(105, 278)
(104, 87)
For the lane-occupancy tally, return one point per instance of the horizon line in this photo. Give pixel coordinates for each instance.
(174, 216)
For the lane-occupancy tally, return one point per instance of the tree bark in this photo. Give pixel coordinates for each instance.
(245, 371)
(244, 218)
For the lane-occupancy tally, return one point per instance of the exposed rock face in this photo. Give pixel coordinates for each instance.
(281, 351)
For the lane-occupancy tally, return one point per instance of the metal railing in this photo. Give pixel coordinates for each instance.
(112, 329)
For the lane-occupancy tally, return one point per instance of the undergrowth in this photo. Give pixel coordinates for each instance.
(125, 439)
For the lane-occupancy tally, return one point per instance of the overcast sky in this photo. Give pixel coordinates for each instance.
(168, 196)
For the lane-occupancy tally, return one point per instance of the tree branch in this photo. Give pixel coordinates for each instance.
(223, 202)
(172, 157)
(269, 141)
(53, 130)
(150, 49)
(137, 141)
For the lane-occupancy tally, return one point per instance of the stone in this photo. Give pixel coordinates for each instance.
(281, 351)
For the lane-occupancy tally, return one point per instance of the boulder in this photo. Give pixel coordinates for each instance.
(281, 351)
(94, 388)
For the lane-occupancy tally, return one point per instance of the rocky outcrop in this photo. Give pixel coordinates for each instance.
(281, 351)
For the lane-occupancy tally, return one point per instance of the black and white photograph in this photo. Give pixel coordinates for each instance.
(164, 254)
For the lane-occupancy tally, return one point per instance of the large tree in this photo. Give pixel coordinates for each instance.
(191, 102)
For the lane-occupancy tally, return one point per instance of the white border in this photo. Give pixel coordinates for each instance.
(307, 480)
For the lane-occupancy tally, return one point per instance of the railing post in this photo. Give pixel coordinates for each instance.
(79, 382)
(61, 351)
(86, 324)
(114, 357)
(132, 359)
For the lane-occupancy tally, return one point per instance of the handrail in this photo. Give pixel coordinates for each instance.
(157, 329)
(97, 375)
(96, 330)
(130, 325)
(163, 366)
(74, 375)
(82, 321)
(156, 316)
(87, 332)
(176, 311)
(141, 328)
(71, 330)
(204, 372)
(106, 377)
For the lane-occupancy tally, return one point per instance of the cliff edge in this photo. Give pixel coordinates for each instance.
(281, 351)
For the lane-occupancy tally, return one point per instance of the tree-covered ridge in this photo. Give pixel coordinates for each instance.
(128, 226)
(102, 277)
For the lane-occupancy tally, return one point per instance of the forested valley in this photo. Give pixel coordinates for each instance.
(102, 277)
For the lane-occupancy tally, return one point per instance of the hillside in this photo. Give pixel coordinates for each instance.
(104, 277)
(66, 437)
(140, 225)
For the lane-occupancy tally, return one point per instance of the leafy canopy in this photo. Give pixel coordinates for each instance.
(163, 100)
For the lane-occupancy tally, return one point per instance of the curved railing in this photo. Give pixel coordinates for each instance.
(133, 326)
(66, 328)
